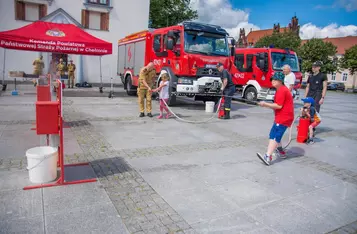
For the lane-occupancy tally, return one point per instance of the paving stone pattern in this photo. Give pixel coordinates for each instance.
(140, 207)
(342, 174)
(348, 229)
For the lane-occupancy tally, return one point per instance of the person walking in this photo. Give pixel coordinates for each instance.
(146, 80)
(38, 66)
(283, 107)
(316, 85)
(228, 89)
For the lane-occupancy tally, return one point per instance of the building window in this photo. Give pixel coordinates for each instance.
(95, 20)
(344, 76)
(333, 76)
(29, 11)
(100, 2)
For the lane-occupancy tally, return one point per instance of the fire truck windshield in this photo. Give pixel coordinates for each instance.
(280, 59)
(206, 43)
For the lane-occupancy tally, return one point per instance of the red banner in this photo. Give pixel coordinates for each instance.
(64, 38)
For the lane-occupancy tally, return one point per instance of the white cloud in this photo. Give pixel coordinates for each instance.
(308, 31)
(221, 12)
(349, 5)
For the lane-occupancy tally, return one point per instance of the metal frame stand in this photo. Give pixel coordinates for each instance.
(61, 180)
(111, 92)
(101, 77)
(3, 72)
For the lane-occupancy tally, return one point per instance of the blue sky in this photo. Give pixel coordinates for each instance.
(319, 12)
(317, 18)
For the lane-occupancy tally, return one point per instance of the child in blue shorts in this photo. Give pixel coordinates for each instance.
(283, 107)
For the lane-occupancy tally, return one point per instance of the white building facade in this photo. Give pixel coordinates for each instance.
(109, 20)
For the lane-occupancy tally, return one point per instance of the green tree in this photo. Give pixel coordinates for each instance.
(280, 40)
(165, 13)
(318, 50)
(349, 60)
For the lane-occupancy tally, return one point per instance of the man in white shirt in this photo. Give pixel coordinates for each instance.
(289, 80)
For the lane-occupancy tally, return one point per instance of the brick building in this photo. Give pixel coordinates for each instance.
(253, 36)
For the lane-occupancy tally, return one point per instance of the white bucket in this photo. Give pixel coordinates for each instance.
(42, 164)
(210, 107)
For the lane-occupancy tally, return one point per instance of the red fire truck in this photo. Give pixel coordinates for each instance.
(253, 68)
(189, 53)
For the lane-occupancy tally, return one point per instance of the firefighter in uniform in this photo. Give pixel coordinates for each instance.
(61, 68)
(316, 85)
(71, 68)
(228, 89)
(38, 66)
(146, 81)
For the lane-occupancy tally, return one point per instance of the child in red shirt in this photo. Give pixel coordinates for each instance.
(283, 107)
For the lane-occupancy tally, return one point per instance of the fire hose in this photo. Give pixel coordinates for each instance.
(219, 105)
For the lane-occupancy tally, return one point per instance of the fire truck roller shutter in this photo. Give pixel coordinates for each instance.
(121, 62)
(172, 85)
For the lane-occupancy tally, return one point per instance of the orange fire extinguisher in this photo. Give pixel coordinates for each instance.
(221, 109)
(303, 130)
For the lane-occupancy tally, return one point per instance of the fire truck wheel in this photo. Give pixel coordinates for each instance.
(129, 87)
(172, 98)
(250, 94)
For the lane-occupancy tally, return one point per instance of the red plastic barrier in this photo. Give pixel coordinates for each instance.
(303, 130)
(43, 93)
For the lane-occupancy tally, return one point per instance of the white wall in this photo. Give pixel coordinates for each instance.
(126, 17)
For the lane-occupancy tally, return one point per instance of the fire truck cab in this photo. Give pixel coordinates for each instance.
(189, 52)
(253, 68)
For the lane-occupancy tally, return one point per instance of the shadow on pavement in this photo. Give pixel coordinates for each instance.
(238, 116)
(110, 166)
(323, 130)
(292, 153)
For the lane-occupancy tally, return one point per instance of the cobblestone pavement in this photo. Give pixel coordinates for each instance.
(141, 207)
(348, 229)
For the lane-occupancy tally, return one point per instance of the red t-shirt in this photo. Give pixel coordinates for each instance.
(285, 115)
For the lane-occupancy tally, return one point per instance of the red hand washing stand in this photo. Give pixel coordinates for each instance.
(49, 120)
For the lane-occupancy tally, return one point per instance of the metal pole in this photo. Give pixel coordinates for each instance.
(3, 68)
(101, 78)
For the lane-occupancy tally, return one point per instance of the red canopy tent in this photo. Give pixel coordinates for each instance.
(53, 37)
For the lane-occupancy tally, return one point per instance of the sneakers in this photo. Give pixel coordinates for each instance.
(266, 159)
(141, 114)
(160, 116)
(281, 152)
(168, 115)
(310, 141)
(149, 115)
